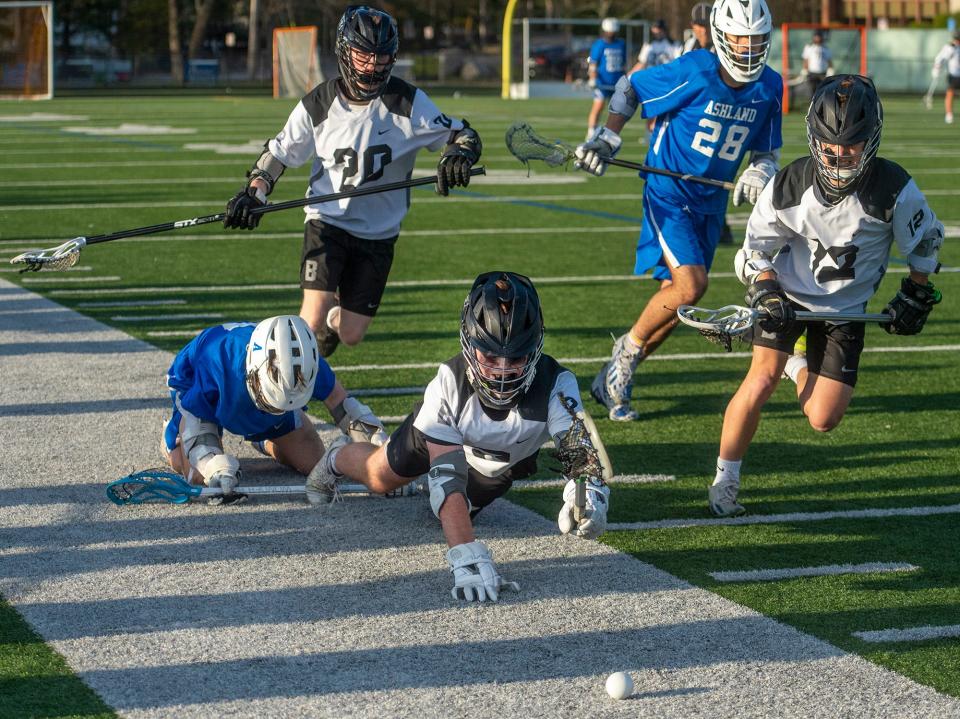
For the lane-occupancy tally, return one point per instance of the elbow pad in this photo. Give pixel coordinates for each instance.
(447, 475)
(624, 101)
(267, 168)
(925, 256)
(748, 264)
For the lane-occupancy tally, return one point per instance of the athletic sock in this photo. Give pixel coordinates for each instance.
(634, 343)
(795, 363)
(728, 470)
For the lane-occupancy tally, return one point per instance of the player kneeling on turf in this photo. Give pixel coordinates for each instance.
(254, 381)
(819, 239)
(479, 427)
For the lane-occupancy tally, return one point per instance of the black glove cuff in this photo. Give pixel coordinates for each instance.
(760, 289)
(927, 295)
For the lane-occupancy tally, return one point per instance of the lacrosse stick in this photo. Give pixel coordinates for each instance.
(928, 98)
(582, 455)
(525, 144)
(723, 324)
(157, 485)
(66, 255)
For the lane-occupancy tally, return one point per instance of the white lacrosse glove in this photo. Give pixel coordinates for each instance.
(753, 180)
(475, 577)
(592, 155)
(360, 424)
(594, 522)
(592, 83)
(224, 472)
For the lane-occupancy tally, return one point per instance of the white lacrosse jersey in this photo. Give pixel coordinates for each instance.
(949, 55)
(495, 440)
(831, 258)
(658, 52)
(352, 145)
(817, 57)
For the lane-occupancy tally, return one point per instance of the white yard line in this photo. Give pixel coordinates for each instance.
(616, 479)
(913, 634)
(132, 303)
(788, 518)
(67, 280)
(17, 270)
(174, 333)
(760, 575)
(161, 318)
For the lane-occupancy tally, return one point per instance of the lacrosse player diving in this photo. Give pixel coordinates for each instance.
(819, 238)
(254, 380)
(364, 127)
(479, 427)
(712, 108)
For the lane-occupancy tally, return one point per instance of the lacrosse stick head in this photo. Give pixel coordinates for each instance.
(151, 485)
(58, 258)
(719, 326)
(526, 145)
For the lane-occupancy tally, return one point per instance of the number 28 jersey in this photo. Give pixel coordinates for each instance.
(704, 127)
(353, 145)
(831, 258)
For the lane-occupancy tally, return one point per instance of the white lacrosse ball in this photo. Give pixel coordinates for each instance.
(619, 685)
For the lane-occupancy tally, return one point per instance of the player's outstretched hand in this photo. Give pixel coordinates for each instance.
(593, 155)
(594, 522)
(767, 296)
(752, 182)
(910, 307)
(475, 577)
(360, 424)
(239, 206)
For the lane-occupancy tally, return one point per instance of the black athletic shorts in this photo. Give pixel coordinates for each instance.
(408, 456)
(953, 82)
(333, 260)
(833, 351)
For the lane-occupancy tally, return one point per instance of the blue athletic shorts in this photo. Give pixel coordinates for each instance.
(285, 425)
(604, 93)
(674, 235)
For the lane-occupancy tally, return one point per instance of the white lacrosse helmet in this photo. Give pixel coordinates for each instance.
(282, 364)
(741, 18)
(610, 24)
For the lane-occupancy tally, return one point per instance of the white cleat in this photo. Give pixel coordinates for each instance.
(616, 412)
(723, 500)
(322, 481)
(948, 118)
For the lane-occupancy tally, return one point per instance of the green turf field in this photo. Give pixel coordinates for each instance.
(897, 447)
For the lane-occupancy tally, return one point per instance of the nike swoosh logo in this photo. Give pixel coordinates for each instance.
(383, 132)
(844, 369)
(754, 101)
(372, 305)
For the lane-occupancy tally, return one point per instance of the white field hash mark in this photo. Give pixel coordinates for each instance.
(760, 575)
(912, 634)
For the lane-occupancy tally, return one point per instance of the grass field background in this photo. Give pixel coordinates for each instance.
(897, 447)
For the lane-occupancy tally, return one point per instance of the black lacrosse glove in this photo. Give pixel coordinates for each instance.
(238, 209)
(460, 154)
(777, 314)
(910, 307)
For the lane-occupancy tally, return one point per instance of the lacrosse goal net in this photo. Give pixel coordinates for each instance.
(296, 61)
(848, 50)
(26, 50)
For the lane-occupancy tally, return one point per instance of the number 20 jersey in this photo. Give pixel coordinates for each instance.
(831, 258)
(704, 127)
(353, 145)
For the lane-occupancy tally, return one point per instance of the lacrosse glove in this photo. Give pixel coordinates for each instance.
(238, 208)
(359, 423)
(475, 577)
(592, 155)
(460, 154)
(910, 307)
(753, 180)
(594, 522)
(776, 312)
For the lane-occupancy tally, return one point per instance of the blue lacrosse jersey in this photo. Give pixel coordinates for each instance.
(609, 57)
(209, 374)
(705, 127)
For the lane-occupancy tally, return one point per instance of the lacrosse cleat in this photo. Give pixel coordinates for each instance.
(616, 412)
(322, 481)
(723, 500)
(613, 387)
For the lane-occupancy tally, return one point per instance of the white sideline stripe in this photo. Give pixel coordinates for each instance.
(67, 280)
(174, 333)
(132, 303)
(788, 517)
(759, 575)
(17, 270)
(152, 318)
(616, 479)
(913, 634)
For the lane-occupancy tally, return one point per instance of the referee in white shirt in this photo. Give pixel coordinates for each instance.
(817, 61)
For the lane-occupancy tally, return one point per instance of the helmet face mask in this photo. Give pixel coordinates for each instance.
(844, 125)
(367, 43)
(282, 364)
(741, 35)
(501, 337)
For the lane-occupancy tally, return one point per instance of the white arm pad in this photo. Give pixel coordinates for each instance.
(750, 263)
(624, 101)
(925, 256)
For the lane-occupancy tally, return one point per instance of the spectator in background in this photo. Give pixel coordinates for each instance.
(700, 25)
(608, 55)
(817, 61)
(949, 54)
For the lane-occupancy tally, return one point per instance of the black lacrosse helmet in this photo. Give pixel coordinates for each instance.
(845, 110)
(501, 318)
(372, 32)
